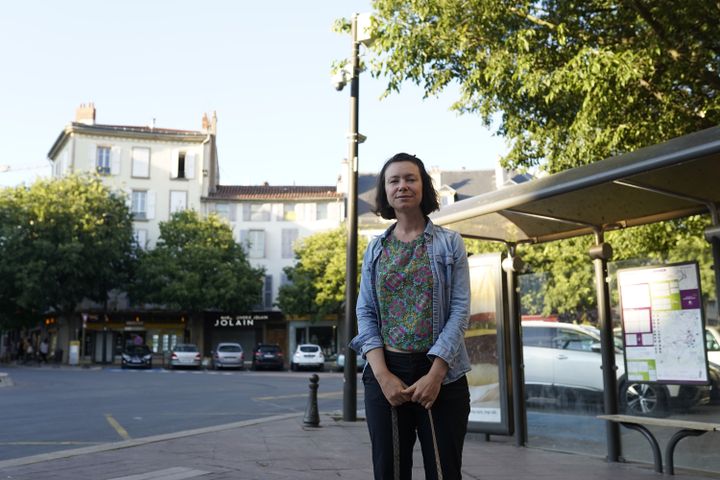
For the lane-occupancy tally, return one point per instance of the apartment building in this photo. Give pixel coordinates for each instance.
(268, 220)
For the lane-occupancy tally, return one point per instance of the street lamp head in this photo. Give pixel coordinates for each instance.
(339, 80)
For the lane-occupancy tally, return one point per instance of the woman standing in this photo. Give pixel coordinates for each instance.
(412, 314)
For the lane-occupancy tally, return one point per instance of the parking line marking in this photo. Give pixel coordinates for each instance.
(118, 428)
(173, 473)
(301, 395)
(59, 442)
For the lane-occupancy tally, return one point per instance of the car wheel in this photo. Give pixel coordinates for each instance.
(293, 367)
(644, 399)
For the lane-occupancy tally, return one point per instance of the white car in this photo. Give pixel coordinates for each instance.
(359, 360)
(307, 355)
(563, 361)
(712, 339)
(185, 355)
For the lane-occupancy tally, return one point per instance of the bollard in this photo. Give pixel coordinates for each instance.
(312, 418)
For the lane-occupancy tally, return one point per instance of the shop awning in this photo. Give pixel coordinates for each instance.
(674, 179)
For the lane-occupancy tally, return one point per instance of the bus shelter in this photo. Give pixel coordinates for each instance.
(666, 181)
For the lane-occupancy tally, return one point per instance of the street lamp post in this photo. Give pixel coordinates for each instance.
(350, 375)
(359, 35)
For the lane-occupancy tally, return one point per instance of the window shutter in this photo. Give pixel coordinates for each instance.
(300, 212)
(115, 160)
(150, 214)
(311, 212)
(243, 239)
(231, 212)
(174, 163)
(246, 212)
(92, 158)
(190, 165)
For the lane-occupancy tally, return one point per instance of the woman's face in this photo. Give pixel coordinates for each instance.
(403, 186)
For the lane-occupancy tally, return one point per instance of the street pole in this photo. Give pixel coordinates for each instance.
(350, 374)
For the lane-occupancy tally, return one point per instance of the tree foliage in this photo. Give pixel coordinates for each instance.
(317, 281)
(574, 81)
(567, 83)
(197, 265)
(61, 241)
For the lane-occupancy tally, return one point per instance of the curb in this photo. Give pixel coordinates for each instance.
(44, 457)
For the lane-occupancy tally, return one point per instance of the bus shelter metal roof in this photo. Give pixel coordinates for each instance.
(678, 178)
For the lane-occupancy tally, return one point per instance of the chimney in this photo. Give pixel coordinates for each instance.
(205, 123)
(436, 176)
(85, 114)
(213, 123)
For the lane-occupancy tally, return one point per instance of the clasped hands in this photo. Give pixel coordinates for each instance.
(424, 391)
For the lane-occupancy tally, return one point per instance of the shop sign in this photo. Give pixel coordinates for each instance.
(235, 321)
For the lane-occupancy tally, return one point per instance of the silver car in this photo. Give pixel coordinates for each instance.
(185, 355)
(228, 355)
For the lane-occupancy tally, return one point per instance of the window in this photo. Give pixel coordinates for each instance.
(141, 162)
(178, 201)
(226, 211)
(289, 235)
(183, 165)
(256, 212)
(140, 235)
(537, 337)
(142, 204)
(268, 292)
(321, 212)
(102, 160)
(289, 212)
(139, 204)
(254, 241)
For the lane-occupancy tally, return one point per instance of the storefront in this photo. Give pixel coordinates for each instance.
(104, 337)
(247, 329)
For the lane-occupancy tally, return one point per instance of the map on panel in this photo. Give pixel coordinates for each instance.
(663, 326)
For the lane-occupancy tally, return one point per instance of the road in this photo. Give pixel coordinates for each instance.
(50, 409)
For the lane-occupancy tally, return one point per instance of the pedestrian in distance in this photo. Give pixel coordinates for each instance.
(43, 350)
(412, 313)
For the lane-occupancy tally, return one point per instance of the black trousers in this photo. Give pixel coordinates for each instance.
(450, 417)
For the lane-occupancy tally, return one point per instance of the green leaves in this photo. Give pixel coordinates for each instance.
(317, 281)
(197, 265)
(61, 241)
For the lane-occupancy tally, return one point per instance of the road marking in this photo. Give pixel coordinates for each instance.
(174, 473)
(118, 428)
(301, 395)
(62, 442)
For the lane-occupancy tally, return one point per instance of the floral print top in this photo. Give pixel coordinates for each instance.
(405, 294)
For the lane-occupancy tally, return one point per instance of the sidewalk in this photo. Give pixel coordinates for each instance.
(281, 448)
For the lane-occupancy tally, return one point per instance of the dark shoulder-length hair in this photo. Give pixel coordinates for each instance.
(429, 201)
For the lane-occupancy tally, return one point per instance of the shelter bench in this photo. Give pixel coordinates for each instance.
(686, 429)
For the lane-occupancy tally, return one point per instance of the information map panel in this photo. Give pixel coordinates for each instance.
(663, 324)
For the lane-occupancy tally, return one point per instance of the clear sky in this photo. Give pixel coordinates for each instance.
(263, 66)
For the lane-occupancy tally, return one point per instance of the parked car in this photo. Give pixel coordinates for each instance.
(228, 355)
(340, 362)
(712, 340)
(136, 356)
(185, 355)
(563, 361)
(268, 356)
(307, 355)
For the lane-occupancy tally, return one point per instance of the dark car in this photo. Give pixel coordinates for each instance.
(268, 356)
(136, 356)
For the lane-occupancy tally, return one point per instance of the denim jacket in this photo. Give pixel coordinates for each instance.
(451, 299)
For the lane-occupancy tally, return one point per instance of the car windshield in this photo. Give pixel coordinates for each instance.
(138, 350)
(309, 348)
(229, 348)
(185, 348)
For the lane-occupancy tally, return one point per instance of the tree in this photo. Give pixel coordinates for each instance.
(61, 241)
(317, 281)
(567, 83)
(197, 265)
(574, 82)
